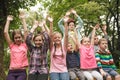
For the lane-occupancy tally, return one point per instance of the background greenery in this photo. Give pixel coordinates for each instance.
(89, 10)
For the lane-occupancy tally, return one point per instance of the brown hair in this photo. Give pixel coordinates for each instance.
(39, 34)
(16, 31)
(102, 39)
(71, 20)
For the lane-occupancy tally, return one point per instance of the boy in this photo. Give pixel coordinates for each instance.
(105, 61)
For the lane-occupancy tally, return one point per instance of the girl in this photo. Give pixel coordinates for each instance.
(58, 68)
(38, 68)
(87, 58)
(18, 51)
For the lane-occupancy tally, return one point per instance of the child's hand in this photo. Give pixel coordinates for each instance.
(50, 19)
(22, 15)
(102, 72)
(97, 26)
(73, 11)
(66, 18)
(104, 27)
(35, 23)
(9, 17)
(67, 13)
(42, 23)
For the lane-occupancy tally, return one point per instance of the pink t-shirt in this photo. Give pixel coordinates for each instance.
(18, 56)
(87, 57)
(58, 63)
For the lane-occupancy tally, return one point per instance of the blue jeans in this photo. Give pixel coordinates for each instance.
(59, 76)
(110, 72)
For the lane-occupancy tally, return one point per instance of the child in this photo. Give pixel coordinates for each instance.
(38, 68)
(58, 68)
(105, 61)
(73, 63)
(71, 26)
(18, 51)
(96, 39)
(87, 59)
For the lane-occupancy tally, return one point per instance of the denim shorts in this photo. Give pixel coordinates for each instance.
(59, 76)
(110, 72)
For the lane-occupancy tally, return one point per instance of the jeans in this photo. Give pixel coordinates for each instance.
(59, 76)
(110, 72)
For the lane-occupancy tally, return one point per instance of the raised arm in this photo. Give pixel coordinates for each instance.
(30, 35)
(79, 25)
(51, 31)
(104, 27)
(61, 26)
(43, 24)
(6, 34)
(61, 22)
(22, 17)
(66, 33)
(93, 33)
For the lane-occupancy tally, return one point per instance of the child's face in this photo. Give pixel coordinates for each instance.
(38, 41)
(96, 40)
(69, 47)
(57, 38)
(86, 41)
(17, 39)
(71, 26)
(103, 45)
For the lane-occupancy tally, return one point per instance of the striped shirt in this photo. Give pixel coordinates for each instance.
(38, 55)
(104, 60)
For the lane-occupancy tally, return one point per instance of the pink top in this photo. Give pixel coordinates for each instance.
(58, 63)
(18, 56)
(87, 57)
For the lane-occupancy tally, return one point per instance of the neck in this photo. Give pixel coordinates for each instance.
(58, 45)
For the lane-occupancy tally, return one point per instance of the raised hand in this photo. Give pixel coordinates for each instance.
(67, 13)
(73, 11)
(104, 27)
(50, 19)
(36, 23)
(9, 17)
(22, 15)
(66, 18)
(97, 26)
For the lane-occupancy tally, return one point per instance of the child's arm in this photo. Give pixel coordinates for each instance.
(104, 27)
(93, 33)
(51, 32)
(76, 41)
(30, 36)
(22, 16)
(6, 34)
(61, 26)
(60, 22)
(46, 28)
(80, 24)
(35, 25)
(66, 33)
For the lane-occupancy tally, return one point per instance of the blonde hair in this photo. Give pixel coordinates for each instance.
(54, 33)
(102, 39)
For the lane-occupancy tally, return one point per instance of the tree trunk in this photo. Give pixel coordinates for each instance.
(2, 20)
